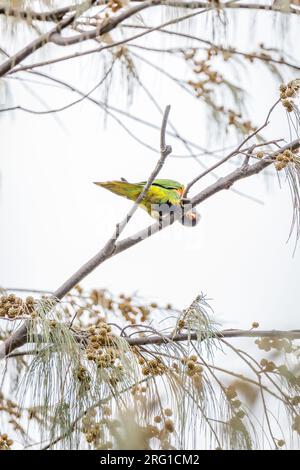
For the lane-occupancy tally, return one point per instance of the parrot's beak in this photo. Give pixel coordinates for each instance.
(98, 184)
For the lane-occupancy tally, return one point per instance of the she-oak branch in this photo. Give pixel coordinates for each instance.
(181, 337)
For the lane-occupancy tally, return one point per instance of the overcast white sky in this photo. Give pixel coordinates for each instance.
(53, 218)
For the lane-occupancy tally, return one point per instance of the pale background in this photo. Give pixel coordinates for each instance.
(53, 218)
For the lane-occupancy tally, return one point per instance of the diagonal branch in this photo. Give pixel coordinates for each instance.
(107, 26)
(43, 39)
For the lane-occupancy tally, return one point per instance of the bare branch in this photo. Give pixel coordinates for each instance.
(107, 26)
(292, 334)
(43, 39)
(233, 153)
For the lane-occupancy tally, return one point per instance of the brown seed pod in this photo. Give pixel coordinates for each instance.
(282, 87)
(169, 425)
(190, 365)
(230, 392)
(290, 92)
(288, 104)
(260, 154)
(280, 166)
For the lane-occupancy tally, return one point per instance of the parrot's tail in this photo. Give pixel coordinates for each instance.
(129, 190)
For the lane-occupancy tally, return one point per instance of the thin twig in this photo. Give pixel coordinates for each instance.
(234, 152)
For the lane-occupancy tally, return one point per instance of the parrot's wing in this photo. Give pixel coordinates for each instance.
(158, 200)
(159, 195)
(156, 195)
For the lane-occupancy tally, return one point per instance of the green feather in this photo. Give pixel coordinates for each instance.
(166, 184)
(161, 191)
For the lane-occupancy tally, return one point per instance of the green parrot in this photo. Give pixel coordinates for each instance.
(163, 198)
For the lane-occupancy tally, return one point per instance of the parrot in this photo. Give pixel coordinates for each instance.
(163, 198)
